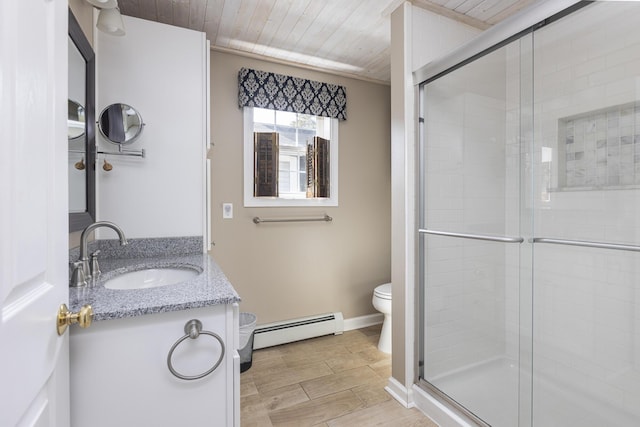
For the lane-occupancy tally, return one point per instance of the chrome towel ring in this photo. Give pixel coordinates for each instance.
(193, 329)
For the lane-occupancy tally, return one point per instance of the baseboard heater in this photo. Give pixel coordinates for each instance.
(288, 331)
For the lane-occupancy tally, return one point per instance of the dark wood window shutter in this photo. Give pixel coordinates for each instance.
(318, 168)
(265, 157)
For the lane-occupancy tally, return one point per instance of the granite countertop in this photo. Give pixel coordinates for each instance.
(210, 287)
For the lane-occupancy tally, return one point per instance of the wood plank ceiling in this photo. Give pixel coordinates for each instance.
(349, 37)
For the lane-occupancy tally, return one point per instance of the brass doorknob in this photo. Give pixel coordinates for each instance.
(65, 318)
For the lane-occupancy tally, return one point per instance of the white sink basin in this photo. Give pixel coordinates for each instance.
(151, 278)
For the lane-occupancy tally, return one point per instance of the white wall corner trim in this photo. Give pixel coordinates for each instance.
(410, 154)
(400, 393)
(363, 321)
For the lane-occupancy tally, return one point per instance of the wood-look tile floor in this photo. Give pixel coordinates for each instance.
(330, 381)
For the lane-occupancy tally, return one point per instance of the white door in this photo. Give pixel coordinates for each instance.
(34, 387)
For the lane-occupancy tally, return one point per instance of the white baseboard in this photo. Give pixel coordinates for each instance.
(363, 321)
(400, 393)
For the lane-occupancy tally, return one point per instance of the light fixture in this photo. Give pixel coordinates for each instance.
(109, 18)
(110, 22)
(103, 4)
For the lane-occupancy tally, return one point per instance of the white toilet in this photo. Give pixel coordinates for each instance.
(382, 303)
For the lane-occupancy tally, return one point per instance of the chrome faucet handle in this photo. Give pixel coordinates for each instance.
(77, 275)
(95, 267)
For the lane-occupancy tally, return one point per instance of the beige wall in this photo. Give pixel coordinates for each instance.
(286, 271)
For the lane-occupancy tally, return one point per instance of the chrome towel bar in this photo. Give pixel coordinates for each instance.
(134, 153)
(258, 220)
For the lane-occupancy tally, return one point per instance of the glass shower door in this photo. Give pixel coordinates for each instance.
(470, 235)
(529, 224)
(586, 349)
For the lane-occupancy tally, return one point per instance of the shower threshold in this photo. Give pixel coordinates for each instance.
(490, 391)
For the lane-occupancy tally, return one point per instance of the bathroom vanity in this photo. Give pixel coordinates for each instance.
(120, 366)
(137, 364)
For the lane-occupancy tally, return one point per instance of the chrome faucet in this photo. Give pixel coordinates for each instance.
(80, 269)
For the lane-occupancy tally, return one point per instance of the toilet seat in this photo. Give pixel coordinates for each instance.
(383, 291)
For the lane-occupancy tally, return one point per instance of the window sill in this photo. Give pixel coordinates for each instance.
(265, 202)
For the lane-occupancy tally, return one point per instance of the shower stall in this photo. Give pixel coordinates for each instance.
(529, 221)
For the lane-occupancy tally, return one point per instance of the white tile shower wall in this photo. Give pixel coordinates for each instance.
(465, 187)
(587, 323)
(464, 306)
(587, 301)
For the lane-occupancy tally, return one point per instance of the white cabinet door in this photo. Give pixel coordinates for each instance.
(33, 212)
(125, 361)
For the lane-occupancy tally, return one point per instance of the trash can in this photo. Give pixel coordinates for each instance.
(247, 329)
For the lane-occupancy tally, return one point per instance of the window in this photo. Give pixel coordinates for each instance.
(290, 159)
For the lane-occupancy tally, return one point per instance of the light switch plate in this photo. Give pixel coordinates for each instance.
(227, 210)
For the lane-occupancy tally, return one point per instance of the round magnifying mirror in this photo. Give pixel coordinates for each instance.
(120, 124)
(75, 121)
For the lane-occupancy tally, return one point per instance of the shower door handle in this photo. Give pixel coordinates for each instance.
(503, 239)
(586, 244)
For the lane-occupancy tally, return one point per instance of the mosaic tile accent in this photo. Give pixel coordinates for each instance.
(600, 148)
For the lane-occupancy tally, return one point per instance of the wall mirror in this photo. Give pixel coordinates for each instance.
(120, 124)
(76, 120)
(81, 127)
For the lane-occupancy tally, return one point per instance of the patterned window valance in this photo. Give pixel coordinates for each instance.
(286, 93)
